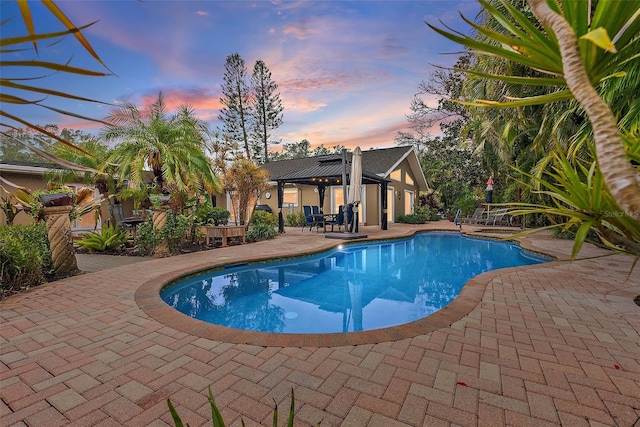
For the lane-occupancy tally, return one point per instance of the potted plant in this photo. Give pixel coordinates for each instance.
(56, 197)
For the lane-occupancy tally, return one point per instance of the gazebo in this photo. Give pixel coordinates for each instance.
(331, 170)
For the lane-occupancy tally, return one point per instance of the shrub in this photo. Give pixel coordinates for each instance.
(426, 213)
(208, 215)
(146, 238)
(295, 219)
(429, 200)
(108, 238)
(261, 232)
(264, 217)
(174, 231)
(23, 266)
(411, 219)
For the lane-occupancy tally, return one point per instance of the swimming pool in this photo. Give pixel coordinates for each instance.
(355, 287)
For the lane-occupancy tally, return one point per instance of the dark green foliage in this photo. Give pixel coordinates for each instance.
(174, 231)
(295, 219)
(209, 215)
(411, 219)
(267, 111)
(264, 217)
(146, 238)
(428, 214)
(109, 238)
(466, 203)
(264, 226)
(261, 232)
(23, 266)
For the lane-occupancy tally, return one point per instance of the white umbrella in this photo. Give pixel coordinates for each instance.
(355, 184)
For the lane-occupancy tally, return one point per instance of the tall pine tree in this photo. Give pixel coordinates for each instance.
(236, 114)
(267, 111)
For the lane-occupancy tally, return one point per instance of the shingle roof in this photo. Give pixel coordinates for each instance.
(375, 162)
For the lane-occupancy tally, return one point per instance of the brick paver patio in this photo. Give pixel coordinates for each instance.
(554, 344)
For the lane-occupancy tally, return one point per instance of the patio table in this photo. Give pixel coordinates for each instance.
(327, 218)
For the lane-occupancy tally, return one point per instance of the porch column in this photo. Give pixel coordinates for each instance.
(321, 191)
(280, 199)
(383, 199)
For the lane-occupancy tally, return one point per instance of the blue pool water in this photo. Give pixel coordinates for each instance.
(352, 288)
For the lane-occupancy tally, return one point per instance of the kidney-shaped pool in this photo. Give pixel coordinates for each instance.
(355, 287)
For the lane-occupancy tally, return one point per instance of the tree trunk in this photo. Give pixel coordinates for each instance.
(159, 221)
(621, 178)
(60, 240)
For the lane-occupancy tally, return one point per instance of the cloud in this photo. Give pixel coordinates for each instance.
(202, 13)
(391, 47)
(300, 30)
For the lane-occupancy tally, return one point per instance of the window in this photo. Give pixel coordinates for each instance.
(408, 202)
(337, 198)
(408, 179)
(391, 202)
(290, 197)
(396, 175)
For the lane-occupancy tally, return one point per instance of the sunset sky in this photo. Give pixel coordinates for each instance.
(346, 71)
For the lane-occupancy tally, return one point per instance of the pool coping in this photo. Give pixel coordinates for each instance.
(147, 297)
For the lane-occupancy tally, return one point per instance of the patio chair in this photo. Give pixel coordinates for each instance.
(310, 219)
(349, 217)
(339, 221)
(476, 218)
(497, 217)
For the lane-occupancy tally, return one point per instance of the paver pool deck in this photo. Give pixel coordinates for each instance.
(551, 344)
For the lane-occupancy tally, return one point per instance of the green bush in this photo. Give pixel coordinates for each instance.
(295, 219)
(261, 232)
(411, 219)
(23, 266)
(109, 238)
(146, 238)
(264, 217)
(209, 215)
(174, 231)
(467, 204)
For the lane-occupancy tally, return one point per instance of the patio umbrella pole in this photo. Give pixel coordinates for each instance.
(355, 186)
(344, 183)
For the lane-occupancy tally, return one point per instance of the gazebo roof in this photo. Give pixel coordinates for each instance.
(327, 171)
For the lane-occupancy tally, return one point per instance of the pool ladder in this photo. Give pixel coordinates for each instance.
(456, 220)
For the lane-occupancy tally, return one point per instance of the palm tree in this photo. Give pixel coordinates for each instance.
(171, 146)
(571, 52)
(245, 180)
(621, 178)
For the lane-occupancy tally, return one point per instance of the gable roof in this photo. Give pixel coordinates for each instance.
(375, 163)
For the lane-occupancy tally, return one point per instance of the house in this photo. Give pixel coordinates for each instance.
(391, 174)
(33, 176)
(396, 170)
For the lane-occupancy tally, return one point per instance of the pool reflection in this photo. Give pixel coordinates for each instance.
(359, 287)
